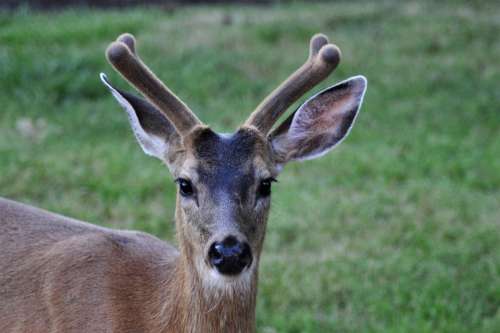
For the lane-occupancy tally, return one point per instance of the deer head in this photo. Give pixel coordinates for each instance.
(224, 180)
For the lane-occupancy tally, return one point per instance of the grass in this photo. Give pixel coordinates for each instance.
(398, 230)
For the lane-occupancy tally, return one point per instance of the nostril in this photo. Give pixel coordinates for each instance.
(215, 254)
(246, 251)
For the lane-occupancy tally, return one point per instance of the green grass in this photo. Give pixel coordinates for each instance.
(397, 230)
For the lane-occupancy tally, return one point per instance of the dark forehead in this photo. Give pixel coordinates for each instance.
(228, 160)
(230, 150)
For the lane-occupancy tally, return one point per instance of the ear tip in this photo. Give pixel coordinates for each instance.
(361, 81)
(104, 80)
(361, 77)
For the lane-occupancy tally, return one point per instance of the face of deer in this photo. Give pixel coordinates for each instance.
(224, 180)
(224, 197)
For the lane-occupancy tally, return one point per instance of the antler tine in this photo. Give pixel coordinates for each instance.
(129, 40)
(122, 55)
(323, 59)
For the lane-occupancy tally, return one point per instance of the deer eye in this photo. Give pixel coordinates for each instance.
(264, 189)
(185, 187)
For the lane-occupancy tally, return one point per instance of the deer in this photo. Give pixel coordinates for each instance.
(59, 274)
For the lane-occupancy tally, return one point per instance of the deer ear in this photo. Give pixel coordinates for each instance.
(319, 124)
(151, 128)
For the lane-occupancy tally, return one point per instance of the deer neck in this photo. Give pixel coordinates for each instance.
(216, 310)
(191, 305)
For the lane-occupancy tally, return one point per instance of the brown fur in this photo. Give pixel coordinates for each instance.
(323, 59)
(123, 56)
(62, 275)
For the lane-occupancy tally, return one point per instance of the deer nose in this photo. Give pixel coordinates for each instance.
(230, 256)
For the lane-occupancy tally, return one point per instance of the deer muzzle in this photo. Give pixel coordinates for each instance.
(230, 256)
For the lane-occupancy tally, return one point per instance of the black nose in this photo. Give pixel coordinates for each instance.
(230, 256)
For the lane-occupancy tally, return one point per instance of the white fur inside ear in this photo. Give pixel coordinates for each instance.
(151, 144)
(322, 121)
(358, 100)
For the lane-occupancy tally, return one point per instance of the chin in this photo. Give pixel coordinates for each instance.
(217, 284)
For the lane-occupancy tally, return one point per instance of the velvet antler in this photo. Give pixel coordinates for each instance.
(323, 59)
(122, 55)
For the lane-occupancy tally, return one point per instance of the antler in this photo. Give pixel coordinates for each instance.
(323, 59)
(122, 55)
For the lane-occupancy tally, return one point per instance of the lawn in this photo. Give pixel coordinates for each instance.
(397, 230)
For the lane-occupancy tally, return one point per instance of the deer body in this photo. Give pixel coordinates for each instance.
(82, 278)
(62, 275)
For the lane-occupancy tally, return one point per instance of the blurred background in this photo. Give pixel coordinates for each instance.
(397, 230)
